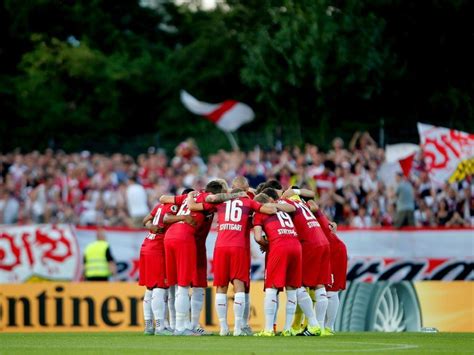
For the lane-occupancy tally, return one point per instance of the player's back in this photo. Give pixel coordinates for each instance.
(158, 212)
(182, 230)
(234, 219)
(279, 229)
(204, 227)
(307, 226)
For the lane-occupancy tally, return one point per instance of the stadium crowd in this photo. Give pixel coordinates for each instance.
(117, 190)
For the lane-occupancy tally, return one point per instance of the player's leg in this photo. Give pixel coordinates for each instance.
(197, 301)
(158, 308)
(239, 273)
(333, 306)
(321, 304)
(239, 306)
(172, 306)
(270, 309)
(182, 308)
(167, 312)
(275, 278)
(245, 320)
(293, 279)
(221, 309)
(159, 297)
(290, 309)
(172, 277)
(199, 285)
(275, 315)
(186, 256)
(324, 277)
(221, 267)
(306, 304)
(298, 319)
(147, 312)
(147, 278)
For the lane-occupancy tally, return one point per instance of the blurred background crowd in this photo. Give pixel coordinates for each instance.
(118, 190)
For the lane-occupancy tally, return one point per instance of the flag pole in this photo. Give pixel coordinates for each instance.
(232, 141)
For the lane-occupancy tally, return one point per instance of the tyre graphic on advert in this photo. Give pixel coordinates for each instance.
(382, 306)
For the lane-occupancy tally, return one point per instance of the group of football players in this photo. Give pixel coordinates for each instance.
(303, 256)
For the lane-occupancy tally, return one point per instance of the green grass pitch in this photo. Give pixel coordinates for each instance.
(136, 343)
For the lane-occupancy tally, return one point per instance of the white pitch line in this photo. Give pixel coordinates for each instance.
(391, 346)
(384, 346)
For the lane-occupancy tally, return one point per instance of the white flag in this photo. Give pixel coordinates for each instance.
(228, 115)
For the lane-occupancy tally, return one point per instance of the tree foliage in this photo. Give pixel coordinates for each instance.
(106, 75)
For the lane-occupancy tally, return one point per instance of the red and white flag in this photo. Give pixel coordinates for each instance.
(403, 153)
(228, 115)
(448, 154)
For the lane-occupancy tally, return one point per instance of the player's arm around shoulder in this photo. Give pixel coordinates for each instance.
(284, 206)
(192, 204)
(224, 196)
(268, 208)
(167, 199)
(172, 218)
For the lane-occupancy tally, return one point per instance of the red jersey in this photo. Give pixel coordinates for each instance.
(205, 227)
(278, 227)
(233, 218)
(307, 226)
(182, 230)
(158, 212)
(331, 237)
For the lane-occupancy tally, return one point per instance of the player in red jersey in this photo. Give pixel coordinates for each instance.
(181, 256)
(284, 266)
(338, 266)
(200, 273)
(316, 252)
(241, 182)
(152, 266)
(230, 253)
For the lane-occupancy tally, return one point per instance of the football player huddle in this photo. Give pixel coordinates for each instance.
(303, 257)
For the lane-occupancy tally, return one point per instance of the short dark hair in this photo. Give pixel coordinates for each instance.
(187, 191)
(214, 187)
(271, 193)
(260, 187)
(274, 184)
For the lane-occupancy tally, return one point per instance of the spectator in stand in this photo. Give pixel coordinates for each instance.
(443, 215)
(338, 154)
(253, 176)
(361, 220)
(55, 187)
(137, 201)
(9, 207)
(448, 218)
(423, 215)
(389, 215)
(325, 178)
(405, 202)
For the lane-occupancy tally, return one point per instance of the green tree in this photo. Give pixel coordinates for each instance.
(314, 63)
